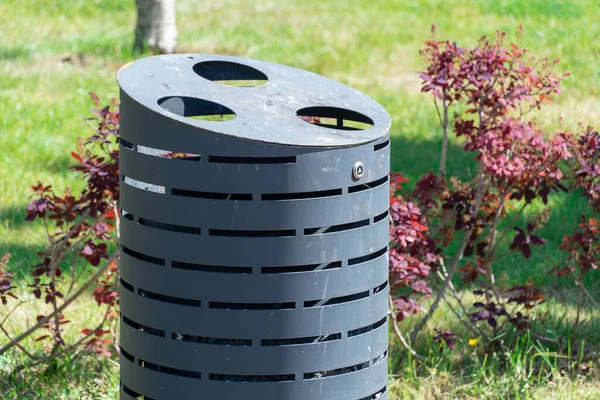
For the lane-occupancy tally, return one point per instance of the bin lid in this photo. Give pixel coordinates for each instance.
(284, 105)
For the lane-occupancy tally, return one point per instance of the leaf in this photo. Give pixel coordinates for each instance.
(468, 250)
(536, 240)
(42, 338)
(110, 214)
(86, 331)
(76, 156)
(529, 195)
(481, 249)
(526, 250)
(518, 239)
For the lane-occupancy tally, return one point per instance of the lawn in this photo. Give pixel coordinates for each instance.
(53, 53)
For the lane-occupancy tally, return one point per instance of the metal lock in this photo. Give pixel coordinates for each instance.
(358, 170)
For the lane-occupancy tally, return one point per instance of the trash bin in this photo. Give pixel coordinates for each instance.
(254, 233)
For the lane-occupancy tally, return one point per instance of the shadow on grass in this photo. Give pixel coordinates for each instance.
(62, 164)
(15, 53)
(416, 157)
(23, 258)
(14, 216)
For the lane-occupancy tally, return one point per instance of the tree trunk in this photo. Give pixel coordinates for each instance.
(156, 28)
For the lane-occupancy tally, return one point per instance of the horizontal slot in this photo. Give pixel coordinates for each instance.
(379, 358)
(368, 328)
(133, 394)
(211, 268)
(126, 144)
(347, 227)
(169, 299)
(381, 216)
(169, 227)
(149, 151)
(337, 300)
(210, 340)
(251, 306)
(183, 156)
(127, 215)
(249, 233)
(143, 257)
(380, 287)
(335, 372)
(302, 340)
(251, 378)
(299, 268)
(211, 195)
(375, 396)
(143, 185)
(337, 228)
(300, 195)
(290, 269)
(368, 185)
(380, 146)
(143, 328)
(368, 257)
(252, 160)
(169, 370)
(347, 299)
(126, 285)
(127, 355)
(333, 265)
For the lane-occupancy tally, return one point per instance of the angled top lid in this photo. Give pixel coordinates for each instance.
(263, 101)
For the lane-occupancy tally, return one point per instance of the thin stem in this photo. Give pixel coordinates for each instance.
(458, 299)
(481, 187)
(488, 263)
(458, 316)
(508, 228)
(13, 310)
(63, 351)
(586, 292)
(397, 331)
(66, 303)
(23, 349)
(579, 298)
(442, 170)
(73, 276)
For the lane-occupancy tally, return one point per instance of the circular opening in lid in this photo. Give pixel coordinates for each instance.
(230, 73)
(335, 118)
(195, 108)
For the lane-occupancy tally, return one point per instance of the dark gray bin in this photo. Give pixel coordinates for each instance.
(254, 250)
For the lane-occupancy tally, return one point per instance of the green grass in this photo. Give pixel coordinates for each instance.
(53, 53)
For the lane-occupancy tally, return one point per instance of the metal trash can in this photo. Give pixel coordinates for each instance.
(254, 233)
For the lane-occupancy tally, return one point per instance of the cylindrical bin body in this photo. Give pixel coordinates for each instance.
(253, 250)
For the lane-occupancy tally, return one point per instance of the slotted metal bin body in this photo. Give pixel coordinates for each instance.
(253, 250)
